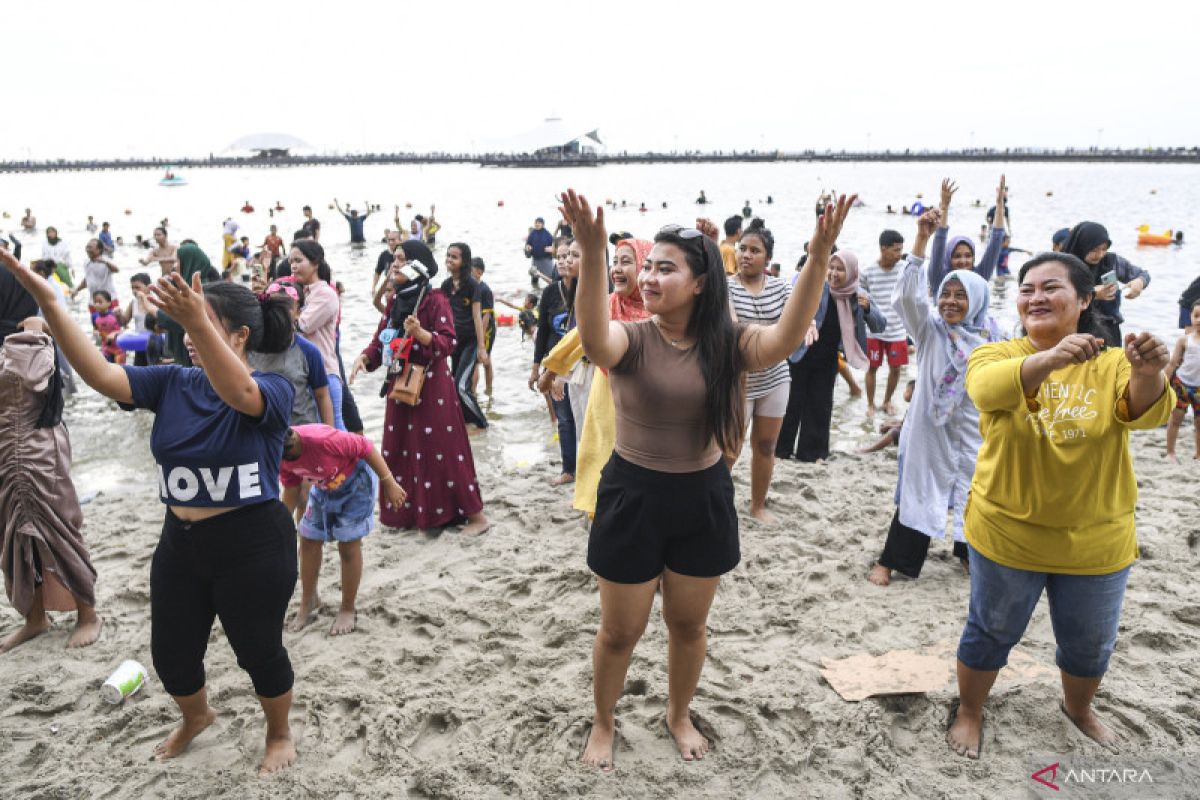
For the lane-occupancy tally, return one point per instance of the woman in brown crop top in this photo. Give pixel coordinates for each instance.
(664, 507)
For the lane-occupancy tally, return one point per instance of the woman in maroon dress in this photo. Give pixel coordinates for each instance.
(424, 445)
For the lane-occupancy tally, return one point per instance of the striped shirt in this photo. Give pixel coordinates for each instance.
(764, 308)
(879, 283)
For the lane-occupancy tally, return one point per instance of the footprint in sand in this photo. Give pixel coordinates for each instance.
(436, 735)
(1188, 615)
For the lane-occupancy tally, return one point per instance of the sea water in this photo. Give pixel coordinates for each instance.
(492, 210)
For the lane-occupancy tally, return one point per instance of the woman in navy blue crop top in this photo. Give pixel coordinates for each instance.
(228, 546)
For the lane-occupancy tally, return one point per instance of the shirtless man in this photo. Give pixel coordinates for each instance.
(163, 253)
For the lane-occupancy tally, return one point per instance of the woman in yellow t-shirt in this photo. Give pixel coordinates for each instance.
(1052, 501)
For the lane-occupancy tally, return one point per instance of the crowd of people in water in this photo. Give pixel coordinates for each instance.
(662, 358)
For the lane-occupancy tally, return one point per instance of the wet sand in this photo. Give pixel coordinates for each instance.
(470, 673)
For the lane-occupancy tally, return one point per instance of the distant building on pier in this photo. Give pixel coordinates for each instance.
(268, 146)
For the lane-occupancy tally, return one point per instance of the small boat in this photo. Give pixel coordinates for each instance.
(172, 179)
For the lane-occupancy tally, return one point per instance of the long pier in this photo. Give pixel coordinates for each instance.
(1180, 155)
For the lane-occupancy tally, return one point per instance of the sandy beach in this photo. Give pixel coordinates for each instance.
(469, 675)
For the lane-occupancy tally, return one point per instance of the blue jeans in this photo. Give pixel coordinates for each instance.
(344, 514)
(566, 430)
(1084, 611)
(335, 398)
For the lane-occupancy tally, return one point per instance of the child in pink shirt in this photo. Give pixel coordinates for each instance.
(347, 472)
(107, 326)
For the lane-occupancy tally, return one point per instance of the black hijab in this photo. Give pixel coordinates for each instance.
(15, 304)
(1086, 237)
(404, 303)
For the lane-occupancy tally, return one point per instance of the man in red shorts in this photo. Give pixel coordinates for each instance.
(879, 279)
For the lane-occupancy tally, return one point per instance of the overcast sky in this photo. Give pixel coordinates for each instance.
(123, 78)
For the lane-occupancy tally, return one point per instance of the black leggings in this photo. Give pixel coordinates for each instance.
(350, 415)
(906, 549)
(805, 429)
(239, 566)
(462, 363)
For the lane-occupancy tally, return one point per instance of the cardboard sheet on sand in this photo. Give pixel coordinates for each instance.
(930, 669)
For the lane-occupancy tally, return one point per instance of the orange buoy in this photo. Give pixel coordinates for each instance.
(1155, 239)
(1145, 237)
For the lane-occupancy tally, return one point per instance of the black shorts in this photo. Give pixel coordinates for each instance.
(489, 335)
(647, 520)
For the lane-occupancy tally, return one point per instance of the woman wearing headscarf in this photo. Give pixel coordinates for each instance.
(959, 252)
(1089, 242)
(843, 318)
(16, 304)
(940, 437)
(598, 434)
(43, 555)
(191, 260)
(425, 445)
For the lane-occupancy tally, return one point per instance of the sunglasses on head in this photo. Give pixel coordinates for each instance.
(680, 231)
(688, 234)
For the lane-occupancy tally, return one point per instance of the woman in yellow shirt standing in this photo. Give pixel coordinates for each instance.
(1051, 505)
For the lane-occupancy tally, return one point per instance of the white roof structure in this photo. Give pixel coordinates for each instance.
(551, 134)
(257, 142)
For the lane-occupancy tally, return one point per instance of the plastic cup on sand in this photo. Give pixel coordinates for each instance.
(128, 678)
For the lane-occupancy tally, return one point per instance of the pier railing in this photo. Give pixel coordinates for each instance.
(1176, 155)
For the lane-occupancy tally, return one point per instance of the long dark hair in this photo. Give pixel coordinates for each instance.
(269, 320)
(716, 340)
(1080, 276)
(313, 251)
(464, 252)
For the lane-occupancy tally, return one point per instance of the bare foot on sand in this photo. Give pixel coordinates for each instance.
(762, 515)
(691, 743)
(1091, 726)
(598, 750)
(30, 630)
(476, 524)
(281, 754)
(870, 410)
(86, 632)
(306, 614)
(879, 575)
(889, 408)
(563, 480)
(1171, 459)
(965, 734)
(344, 622)
(182, 736)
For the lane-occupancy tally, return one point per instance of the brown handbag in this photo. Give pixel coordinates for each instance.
(408, 384)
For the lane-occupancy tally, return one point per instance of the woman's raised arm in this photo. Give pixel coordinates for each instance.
(108, 379)
(604, 342)
(227, 373)
(764, 346)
